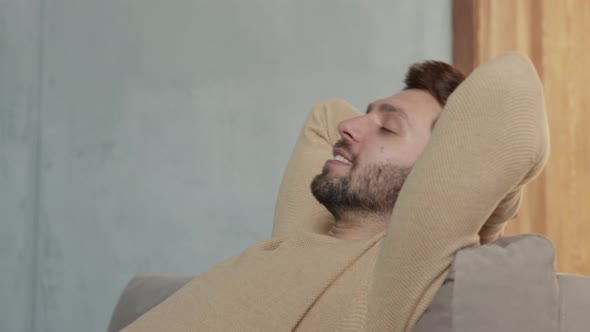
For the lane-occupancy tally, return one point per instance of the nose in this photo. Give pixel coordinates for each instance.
(351, 130)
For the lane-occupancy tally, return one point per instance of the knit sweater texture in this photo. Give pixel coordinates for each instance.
(490, 140)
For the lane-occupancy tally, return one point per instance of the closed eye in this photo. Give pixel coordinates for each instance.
(388, 131)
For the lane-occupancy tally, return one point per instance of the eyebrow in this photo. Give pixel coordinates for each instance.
(391, 109)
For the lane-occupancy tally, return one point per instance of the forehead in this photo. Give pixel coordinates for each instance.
(417, 104)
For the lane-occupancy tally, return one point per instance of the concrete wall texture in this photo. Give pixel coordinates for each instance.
(150, 136)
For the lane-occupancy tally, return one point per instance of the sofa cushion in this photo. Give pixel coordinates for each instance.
(509, 285)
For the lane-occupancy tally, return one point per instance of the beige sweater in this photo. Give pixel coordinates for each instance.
(490, 140)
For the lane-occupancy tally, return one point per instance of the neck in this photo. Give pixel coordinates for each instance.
(354, 228)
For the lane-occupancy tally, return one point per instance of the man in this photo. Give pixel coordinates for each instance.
(377, 151)
(368, 269)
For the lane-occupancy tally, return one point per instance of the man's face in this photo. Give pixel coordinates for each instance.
(376, 153)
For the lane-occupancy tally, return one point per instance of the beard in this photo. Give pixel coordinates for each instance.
(370, 191)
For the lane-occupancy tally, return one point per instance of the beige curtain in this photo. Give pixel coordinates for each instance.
(556, 36)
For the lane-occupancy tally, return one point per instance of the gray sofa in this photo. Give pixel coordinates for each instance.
(510, 285)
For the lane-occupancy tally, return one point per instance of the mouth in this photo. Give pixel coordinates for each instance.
(342, 157)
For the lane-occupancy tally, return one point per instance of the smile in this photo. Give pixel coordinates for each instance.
(342, 159)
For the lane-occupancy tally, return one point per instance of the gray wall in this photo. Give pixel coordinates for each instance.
(150, 136)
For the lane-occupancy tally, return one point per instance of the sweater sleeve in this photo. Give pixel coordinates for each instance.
(491, 139)
(296, 209)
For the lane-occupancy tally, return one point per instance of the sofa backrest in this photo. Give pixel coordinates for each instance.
(574, 298)
(140, 295)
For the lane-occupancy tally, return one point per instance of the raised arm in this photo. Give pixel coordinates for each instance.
(296, 208)
(490, 140)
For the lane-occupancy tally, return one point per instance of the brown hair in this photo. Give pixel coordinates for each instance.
(435, 77)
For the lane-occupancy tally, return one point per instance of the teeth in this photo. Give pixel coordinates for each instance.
(342, 159)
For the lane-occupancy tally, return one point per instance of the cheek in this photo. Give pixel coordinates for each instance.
(400, 153)
(402, 156)
(414, 154)
(379, 155)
